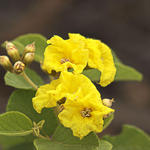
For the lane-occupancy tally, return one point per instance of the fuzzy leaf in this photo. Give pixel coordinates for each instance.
(127, 73)
(124, 72)
(21, 100)
(64, 140)
(11, 142)
(104, 145)
(24, 146)
(131, 138)
(15, 124)
(17, 81)
(92, 74)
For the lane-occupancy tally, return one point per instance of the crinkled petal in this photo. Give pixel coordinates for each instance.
(109, 71)
(44, 98)
(81, 126)
(64, 54)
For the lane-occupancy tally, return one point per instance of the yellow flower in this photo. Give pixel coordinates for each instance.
(109, 70)
(77, 52)
(73, 83)
(68, 86)
(45, 96)
(84, 115)
(100, 57)
(64, 54)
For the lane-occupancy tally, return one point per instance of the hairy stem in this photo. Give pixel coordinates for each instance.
(29, 80)
(43, 137)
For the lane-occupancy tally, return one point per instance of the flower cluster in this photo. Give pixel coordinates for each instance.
(77, 100)
(77, 53)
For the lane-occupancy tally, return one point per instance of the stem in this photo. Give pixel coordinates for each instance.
(43, 137)
(29, 80)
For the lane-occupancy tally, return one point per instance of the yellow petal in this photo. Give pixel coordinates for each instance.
(109, 71)
(71, 116)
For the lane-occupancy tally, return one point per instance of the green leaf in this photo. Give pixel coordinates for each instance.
(104, 145)
(92, 74)
(19, 46)
(15, 124)
(13, 142)
(19, 82)
(40, 44)
(21, 100)
(115, 57)
(131, 138)
(64, 140)
(126, 73)
(24, 146)
(108, 120)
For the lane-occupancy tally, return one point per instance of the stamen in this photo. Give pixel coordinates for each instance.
(63, 60)
(86, 112)
(61, 101)
(61, 108)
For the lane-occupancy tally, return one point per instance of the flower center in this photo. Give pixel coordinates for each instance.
(63, 60)
(86, 112)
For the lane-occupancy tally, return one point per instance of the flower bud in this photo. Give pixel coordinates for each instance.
(30, 48)
(12, 51)
(5, 63)
(28, 58)
(108, 102)
(19, 67)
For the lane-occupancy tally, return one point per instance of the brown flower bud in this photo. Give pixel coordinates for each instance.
(19, 67)
(30, 48)
(12, 51)
(108, 102)
(28, 58)
(5, 63)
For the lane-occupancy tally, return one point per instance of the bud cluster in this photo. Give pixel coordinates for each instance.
(18, 63)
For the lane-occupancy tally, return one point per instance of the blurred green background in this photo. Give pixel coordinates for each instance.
(123, 24)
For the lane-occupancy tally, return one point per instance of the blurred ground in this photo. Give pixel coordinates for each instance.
(123, 24)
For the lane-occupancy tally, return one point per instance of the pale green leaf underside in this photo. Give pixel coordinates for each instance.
(15, 124)
(21, 100)
(131, 138)
(17, 81)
